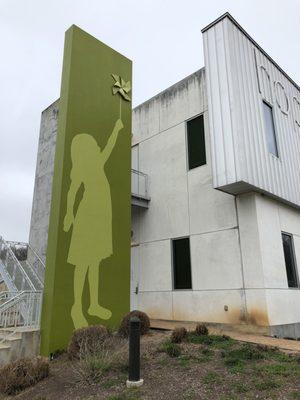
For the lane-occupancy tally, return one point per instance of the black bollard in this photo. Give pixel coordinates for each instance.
(134, 353)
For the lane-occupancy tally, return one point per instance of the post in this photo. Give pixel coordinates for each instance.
(134, 379)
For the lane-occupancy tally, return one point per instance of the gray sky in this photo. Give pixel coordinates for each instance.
(162, 37)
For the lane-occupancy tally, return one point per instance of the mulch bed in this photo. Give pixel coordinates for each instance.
(211, 368)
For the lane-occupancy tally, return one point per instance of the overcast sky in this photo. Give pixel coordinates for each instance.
(162, 37)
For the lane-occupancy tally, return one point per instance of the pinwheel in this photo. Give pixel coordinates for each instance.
(122, 87)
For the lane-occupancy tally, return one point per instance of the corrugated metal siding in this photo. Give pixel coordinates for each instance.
(235, 104)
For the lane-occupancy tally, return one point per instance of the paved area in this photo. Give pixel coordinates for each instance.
(283, 344)
(244, 333)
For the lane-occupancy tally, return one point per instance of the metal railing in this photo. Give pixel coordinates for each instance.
(139, 184)
(5, 296)
(36, 263)
(22, 310)
(24, 252)
(13, 268)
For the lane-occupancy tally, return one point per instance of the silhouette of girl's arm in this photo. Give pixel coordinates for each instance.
(69, 217)
(112, 140)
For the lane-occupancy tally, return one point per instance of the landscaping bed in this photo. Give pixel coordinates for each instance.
(198, 367)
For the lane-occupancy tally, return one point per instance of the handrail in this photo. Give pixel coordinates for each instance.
(20, 266)
(139, 187)
(36, 254)
(16, 262)
(23, 310)
(32, 259)
(27, 245)
(6, 294)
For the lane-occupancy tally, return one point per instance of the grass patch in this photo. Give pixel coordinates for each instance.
(184, 361)
(240, 387)
(245, 352)
(172, 349)
(217, 341)
(109, 383)
(295, 395)
(284, 370)
(207, 352)
(211, 377)
(238, 368)
(267, 384)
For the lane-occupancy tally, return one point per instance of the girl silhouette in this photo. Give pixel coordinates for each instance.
(91, 240)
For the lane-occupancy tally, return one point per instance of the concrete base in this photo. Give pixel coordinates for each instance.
(134, 384)
(287, 331)
(19, 343)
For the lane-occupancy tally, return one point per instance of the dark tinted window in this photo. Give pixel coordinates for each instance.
(270, 129)
(290, 262)
(182, 264)
(196, 142)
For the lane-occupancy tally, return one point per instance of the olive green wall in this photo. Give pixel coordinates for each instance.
(88, 106)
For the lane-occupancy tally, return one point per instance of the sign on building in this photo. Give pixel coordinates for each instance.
(88, 255)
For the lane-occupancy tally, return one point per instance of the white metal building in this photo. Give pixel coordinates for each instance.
(215, 191)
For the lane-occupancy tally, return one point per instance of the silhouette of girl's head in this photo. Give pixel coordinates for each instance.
(84, 151)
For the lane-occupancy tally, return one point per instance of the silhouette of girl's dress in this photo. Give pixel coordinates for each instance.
(92, 227)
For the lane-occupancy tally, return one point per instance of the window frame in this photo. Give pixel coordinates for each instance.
(172, 264)
(297, 287)
(276, 157)
(187, 142)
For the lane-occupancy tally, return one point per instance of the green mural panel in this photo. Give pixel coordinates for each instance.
(88, 256)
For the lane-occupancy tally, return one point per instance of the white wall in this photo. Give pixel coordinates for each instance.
(261, 222)
(184, 203)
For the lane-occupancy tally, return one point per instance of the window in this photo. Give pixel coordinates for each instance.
(270, 129)
(290, 262)
(182, 264)
(196, 142)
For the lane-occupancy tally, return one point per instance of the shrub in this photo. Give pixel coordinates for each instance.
(86, 339)
(178, 335)
(21, 374)
(125, 324)
(201, 329)
(172, 349)
(110, 353)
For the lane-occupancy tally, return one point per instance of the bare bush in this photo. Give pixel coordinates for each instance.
(125, 324)
(178, 335)
(89, 338)
(201, 329)
(110, 353)
(21, 374)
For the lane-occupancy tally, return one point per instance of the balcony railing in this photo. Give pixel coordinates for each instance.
(139, 184)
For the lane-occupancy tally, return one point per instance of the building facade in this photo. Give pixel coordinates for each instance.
(215, 191)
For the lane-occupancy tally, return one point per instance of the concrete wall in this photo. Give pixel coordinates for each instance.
(183, 203)
(43, 181)
(269, 299)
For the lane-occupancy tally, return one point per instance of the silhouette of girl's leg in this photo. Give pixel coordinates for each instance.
(95, 308)
(76, 312)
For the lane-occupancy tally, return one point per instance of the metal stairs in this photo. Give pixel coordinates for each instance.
(22, 271)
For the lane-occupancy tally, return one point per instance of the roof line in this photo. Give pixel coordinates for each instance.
(167, 89)
(234, 21)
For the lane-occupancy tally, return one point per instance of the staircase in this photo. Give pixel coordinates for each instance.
(22, 271)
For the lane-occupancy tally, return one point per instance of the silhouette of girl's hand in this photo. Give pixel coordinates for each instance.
(68, 221)
(119, 124)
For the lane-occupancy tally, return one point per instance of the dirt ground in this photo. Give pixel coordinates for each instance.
(212, 368)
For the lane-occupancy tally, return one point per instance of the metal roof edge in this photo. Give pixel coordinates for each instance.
(234, 21)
